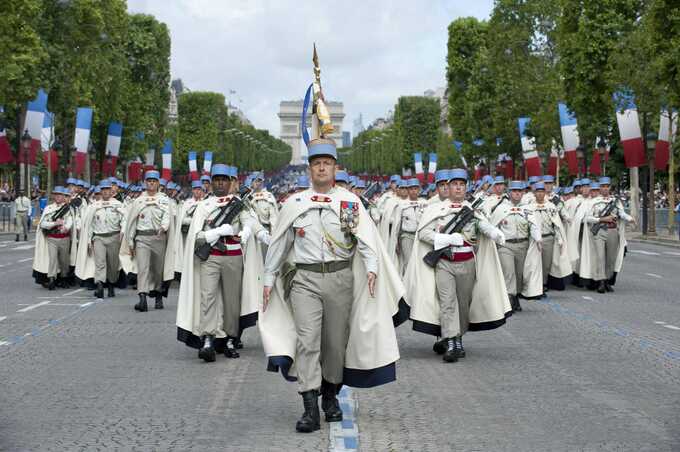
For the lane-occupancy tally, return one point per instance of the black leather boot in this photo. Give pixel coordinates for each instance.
(159, 301)
(17, 239)
(52, 284)
(230, 349)
(601, 287)
(513, 302)
(238, 343)
(111, 293)
(439, 347)
(25, 237)
(142, 306)
(518, 306)
(329, 401)
(207, 352)
(310, 420)
(459, 346)
(451, 354)
(99, 290)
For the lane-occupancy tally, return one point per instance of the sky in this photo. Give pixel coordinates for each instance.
(370, 52)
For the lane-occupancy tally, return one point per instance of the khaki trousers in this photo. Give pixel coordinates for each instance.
(106, 259)
(150, 256)
(59, 251)
(512, 257)
(454, 282)
(21, 223)
(321, 303)
(606, 248)
(221, 295)
(547, 256)
(406, 245)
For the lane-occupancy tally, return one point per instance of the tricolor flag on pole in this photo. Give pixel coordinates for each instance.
(166, 153)
(81, 140)
(5, 149)
(595, 168)
(555, 154)
(50, 156)
(113, 140)
(207, 162)
(135, 170)
(629, 130)
(193, 166)
(431, 167)
(149, 163)
(532, 163)
(570, 139)
(418, 166)
(662, 151)
(35, 117)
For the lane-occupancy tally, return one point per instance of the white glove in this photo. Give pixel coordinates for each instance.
(212, 236)
(245, 234)
(444, 240)
(225, 229)
(498, 237)
(264, 237)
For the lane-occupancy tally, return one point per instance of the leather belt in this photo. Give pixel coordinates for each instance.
(324, 267)
(516, 240)
(107, 234)
(547, 235)
(149, 232)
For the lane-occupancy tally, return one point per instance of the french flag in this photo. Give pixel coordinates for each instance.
(46, 141)
(509, 166)
(113, 139)
(166, 153)
(570, 139)
(35, 117)
(207, 162)
(667, 130)
(595, 168)
(431, 167)
(82, 137)
(532, 163)
(149, 163)
(193, 165)
(555, 153)
(135, 170)
(5, 149)
(418, 166)
(629, 130)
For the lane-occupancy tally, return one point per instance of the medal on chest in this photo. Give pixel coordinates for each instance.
(349, 216)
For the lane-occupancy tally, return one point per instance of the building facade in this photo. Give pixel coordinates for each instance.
(290, 112)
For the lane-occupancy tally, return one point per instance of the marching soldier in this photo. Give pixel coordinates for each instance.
(520, 254)
(342, 179)
(264, 204)
(455, 274)
(22, 207)
(148, 230)
(184, 218)
(225, 284)
(441, 181)
(103, 225)
(56, 223)
(404, 224)
(497, 196)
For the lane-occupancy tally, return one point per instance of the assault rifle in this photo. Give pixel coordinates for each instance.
(556, 200)
(226, 215)
(369, 193)
(63, 210)
(456, 224)
(608, 209)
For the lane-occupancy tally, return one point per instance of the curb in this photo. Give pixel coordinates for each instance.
(656, 241)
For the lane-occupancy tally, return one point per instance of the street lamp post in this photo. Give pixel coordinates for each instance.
(651, 146)
(602, 150)
(26, 147)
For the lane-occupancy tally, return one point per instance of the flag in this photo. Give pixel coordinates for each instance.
(629, 130)
(193, 166)
(207, 162)
(81, 140)
(166, 154)
(570, 139)
(150, 158)
(667, 126)
(532, 163)
(555, 154)
(432, 167)
(47, 132)
(35, 117)
(135, 170)
(595, 168)
(418, 166)
(113, 139)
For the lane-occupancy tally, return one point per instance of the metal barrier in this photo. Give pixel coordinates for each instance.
(6, 216)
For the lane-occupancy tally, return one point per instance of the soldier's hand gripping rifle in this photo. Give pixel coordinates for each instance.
(226, 215)
(608, 209)
(556, 200)
(456, 224)
(369, 193)
(63, 210)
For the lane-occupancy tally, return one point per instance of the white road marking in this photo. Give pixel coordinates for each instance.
(672, 327)
(86, 304)
(66, 298)
(588, 298)
(65, 304)
(33, 306)
(648, 253)
(23, 247)
(654, 275)
(2, 318)
(25, 260)
(3, 343)
(73, 292)
(672, 253)
(658, 322)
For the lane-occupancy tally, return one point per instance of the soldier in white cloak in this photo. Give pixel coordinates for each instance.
(465, 289)
(497, 196)
(219, 295)
(184, 217)
(406, 218)
(529, 197)
(602, 252)
(441, 180)
(580, 207)
(387, 211)
(53, 242)
(520, 255)
(149, 232)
